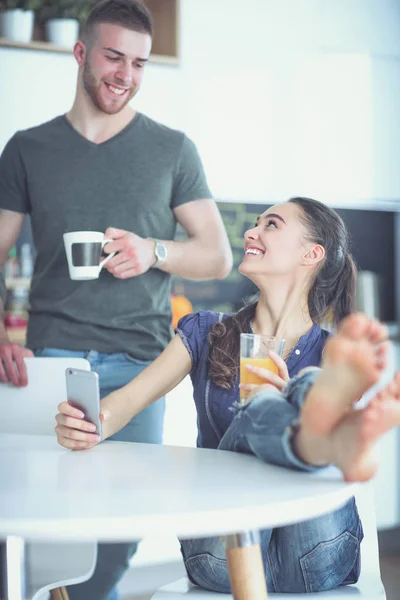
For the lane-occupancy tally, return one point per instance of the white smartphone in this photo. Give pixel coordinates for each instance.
(83, 393)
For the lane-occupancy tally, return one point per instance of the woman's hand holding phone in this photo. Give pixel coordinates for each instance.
(79, 421)
(73, 431)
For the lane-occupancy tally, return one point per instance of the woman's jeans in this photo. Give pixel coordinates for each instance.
(319, 554)
(115, 371)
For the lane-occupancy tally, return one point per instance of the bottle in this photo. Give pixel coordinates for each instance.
(17, 307)
(26, 261)
(11, 268)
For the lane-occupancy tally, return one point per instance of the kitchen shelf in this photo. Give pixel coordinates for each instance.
(47, 47)
(165, 15)
(165, 48)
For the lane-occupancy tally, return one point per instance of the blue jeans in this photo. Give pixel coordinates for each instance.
(115, 371)
(319, 554)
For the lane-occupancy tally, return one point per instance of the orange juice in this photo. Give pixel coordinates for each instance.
(249, 377)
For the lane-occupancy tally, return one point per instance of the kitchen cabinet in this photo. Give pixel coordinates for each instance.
(387, 479)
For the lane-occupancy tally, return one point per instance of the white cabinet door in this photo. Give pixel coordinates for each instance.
(387, 479)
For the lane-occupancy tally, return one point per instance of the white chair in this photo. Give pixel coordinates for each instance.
(31, 410)
(369, 586)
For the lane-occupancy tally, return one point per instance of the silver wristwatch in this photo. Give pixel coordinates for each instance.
(161, 252)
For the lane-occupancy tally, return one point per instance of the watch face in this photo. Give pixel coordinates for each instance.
(161, 251)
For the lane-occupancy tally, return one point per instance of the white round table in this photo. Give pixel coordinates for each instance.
(125, 491)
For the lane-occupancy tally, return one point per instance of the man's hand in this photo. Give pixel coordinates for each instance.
(12, 365)
(135, 255)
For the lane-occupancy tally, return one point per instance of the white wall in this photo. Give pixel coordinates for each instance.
(287, 97)
(281, 96)
(386, 126)
(360, 26)
(37, 86)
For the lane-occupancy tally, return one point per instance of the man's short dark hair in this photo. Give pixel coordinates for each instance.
(131, 14)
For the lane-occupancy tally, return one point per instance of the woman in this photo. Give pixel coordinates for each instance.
(297, 254)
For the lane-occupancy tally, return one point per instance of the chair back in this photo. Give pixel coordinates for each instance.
(31, 409)
(57, 564)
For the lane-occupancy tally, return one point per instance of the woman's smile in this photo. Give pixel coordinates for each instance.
(253, 251)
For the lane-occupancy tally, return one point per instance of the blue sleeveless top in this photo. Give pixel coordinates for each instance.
(213, 403)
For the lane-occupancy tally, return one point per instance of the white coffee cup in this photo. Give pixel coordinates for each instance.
(84, 251)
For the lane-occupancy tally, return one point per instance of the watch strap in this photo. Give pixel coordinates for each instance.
(160, 251)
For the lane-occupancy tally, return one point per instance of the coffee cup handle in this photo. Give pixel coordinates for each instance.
(103, 262)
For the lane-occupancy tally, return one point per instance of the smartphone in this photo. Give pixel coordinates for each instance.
(83, 393)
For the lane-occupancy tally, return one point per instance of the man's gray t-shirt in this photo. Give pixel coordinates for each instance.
(132, 181)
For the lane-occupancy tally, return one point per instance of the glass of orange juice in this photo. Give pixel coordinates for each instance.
(254, 350)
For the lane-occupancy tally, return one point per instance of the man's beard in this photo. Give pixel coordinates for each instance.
(92, 89)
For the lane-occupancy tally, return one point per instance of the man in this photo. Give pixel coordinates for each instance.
(105, 167)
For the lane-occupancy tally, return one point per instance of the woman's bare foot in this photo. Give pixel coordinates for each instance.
(354, 439)
(353, 361)
(351, 446)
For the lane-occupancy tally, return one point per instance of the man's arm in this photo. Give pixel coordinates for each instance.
(12, 366)
(206, 254)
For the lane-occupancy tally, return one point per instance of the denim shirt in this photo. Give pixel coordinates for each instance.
(213, 403)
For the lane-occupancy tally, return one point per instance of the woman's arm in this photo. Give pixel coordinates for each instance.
(119, 407)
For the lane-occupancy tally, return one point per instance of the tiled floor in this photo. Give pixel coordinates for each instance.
(141, 583)
(389, 546)
(390, 570)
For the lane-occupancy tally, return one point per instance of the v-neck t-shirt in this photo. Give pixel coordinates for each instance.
(133, 181)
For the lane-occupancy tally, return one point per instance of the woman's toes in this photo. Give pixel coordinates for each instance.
(378, 332)
(354, 326)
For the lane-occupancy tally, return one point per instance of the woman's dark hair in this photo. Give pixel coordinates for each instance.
(131, 14)
(331, 294)
(333, 288)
